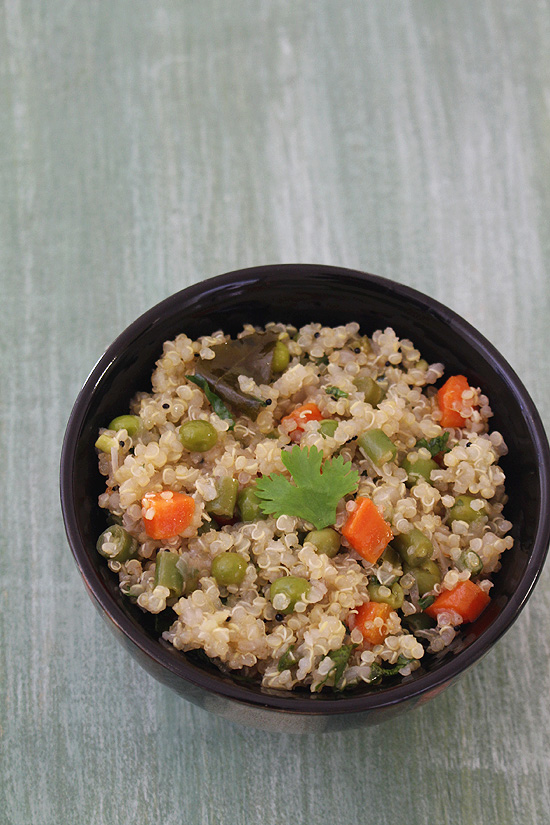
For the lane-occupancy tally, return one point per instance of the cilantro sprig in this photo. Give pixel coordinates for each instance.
(435, 445)
(336, 392)
(340, 658)
(378, 672)
(317, 487)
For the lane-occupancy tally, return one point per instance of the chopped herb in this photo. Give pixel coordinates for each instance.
(315, 492)
(287, 660)
(217, 404)
(340, 658)
(425, 602)
(336, 393)
(251, 356)
(322, 361)
(435, 445)
(378, 672)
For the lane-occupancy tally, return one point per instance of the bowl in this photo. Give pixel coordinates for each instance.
(298, 294)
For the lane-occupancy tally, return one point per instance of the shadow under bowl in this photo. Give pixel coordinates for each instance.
(300, 294)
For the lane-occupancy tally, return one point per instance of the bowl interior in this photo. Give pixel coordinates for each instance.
(298, 295)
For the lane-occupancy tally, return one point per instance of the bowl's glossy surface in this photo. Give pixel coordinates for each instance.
(299, 294)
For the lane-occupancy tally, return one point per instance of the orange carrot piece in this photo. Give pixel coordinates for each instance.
(301, 415)
(366, 530)
(363, 620)
(466, 599)
(450, 401)
(167, 513)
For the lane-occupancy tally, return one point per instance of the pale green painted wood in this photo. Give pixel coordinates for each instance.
(145, 146)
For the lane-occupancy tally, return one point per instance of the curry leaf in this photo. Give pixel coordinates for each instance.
(251, 356)
(316, 490)
(217, 404)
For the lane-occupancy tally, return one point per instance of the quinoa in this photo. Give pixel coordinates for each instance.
(241, 626)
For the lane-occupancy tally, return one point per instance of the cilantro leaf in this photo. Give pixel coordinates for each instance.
(425, 602)
(435, 445)
(287, 660)
(340, 658)
(336, 393)
(217, 404)
(377, 672)
(316, 490)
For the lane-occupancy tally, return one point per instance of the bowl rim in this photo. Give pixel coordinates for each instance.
(314, 704)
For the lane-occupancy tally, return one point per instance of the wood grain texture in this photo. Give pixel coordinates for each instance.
(145, 146)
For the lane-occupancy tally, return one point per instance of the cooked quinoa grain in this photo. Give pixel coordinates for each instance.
(413, 509)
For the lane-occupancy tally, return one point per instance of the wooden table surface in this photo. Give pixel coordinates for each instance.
(145, 146)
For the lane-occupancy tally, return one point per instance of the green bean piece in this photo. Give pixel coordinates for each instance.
(427, 575)
(374, 393)
(131, 423)
(248, 505)
(377, 593)
(125, 545)
(462, 510)
(379, 448)
(328, 427)
(229, 568)
(327, 541)
(418, 470)
(469, 560)
(198, 436)
(105, 443)
(224, 503)
(418, 621)
(281, 357)
(293, 587)
(167, 573)
(413, 547)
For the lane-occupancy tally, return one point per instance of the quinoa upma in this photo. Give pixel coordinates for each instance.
(304, 505)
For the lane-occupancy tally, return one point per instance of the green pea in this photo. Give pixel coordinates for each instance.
(131, 423)
(427, 575)
(167, 573)
(224, 503)
(229, 568)
(462, 510)
(418, 470)
(105, 443)
(125, 545)
(413, 547)
(469, 560)
(198, 436)
(328, 427)
(327, 541)
(418, 621)
(293, 587)
(373, 392)
(248, 505)
(281, 357)
(394, 598)
(379, 448)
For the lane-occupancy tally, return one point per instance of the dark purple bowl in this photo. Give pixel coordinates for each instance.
(298, 294)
